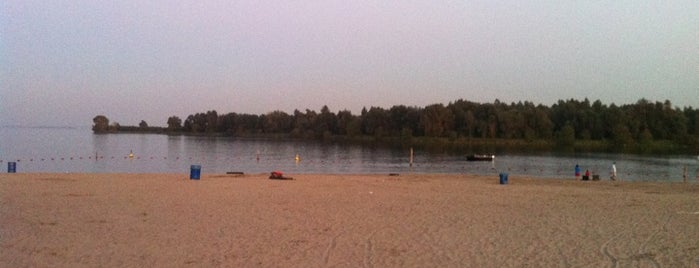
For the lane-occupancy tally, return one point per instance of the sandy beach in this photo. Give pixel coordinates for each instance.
(411, 220)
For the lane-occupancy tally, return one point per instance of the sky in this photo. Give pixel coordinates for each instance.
(62, 62)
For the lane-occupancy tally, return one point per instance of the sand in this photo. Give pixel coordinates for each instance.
(411, 220)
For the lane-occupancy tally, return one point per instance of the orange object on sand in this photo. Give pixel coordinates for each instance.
(278, 175)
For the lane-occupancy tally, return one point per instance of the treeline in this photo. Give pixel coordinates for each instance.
(643, 126)
(102, 125)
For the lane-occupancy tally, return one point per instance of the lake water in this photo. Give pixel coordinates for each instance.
(78, 150)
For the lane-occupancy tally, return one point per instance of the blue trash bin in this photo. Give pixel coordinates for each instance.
(195, 172)
(503, 178)
(11, 167)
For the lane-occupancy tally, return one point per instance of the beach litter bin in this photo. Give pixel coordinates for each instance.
(503, 178)
(11, 167)
(195, 172)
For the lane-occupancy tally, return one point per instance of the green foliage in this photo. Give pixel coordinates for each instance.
(645, 138)
(174, 123)
(622, 137)
(101, 124)
(437, 120)
(566, 136)
(581, 125)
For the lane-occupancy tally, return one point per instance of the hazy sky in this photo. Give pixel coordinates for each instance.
(64, 61)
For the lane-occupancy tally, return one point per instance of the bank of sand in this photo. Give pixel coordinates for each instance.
(167, 220)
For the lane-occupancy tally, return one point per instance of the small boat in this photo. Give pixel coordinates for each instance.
(480, 157)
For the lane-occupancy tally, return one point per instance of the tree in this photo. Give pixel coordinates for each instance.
(305, 124)
(278, 122)
(143, 124)
(174, 123)
(344, 118)
(403, 120)
(566, 136)
(512, 124)
(194, 123)
(437, 120)
(101, 124)
(326, 123)
(622, 136)
(628, 126)
(247, 123)
(375, 122)
(645, 139)
(211, 119)
(542, 123)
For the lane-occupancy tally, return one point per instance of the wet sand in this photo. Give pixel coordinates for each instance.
(420, 220)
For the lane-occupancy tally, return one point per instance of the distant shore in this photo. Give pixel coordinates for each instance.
(319, 220)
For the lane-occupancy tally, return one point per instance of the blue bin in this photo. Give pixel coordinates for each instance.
(195, 172)
(503, 178)
(11, 167)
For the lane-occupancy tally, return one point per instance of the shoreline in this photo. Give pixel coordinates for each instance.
(319, 220)
(494, 175)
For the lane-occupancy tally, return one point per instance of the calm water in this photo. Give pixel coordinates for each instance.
(75, 150)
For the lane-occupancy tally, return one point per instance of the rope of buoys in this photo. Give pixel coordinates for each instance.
(132, 156)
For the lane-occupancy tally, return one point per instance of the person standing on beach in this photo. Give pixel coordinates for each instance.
(613, 177)
(577, 172)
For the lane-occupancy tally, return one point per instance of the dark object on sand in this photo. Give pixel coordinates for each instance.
(194, 172)
(235, 173)
(595, 177)
(11, 167)
(480, 157)
(586, 178)
(393, 174)
(278, 175)
(503, 178)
